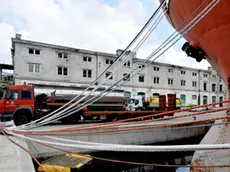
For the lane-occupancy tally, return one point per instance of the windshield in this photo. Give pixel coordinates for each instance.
(132, 101)
(2, 93)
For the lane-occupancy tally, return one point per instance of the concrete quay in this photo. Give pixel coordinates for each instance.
(13, 158)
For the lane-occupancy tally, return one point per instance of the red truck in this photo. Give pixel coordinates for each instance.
(20, 104)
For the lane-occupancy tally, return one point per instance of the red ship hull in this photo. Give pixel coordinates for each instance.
(211, 34)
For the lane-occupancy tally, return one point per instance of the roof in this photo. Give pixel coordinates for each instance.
(6, 66)
(65, 48)
(170, 65)
(19, 87)
(22, 41)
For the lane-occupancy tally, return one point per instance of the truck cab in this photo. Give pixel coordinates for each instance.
(151, 103)
(17, 103)
(136, 103)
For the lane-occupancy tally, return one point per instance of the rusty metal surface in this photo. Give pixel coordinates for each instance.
(217, 134)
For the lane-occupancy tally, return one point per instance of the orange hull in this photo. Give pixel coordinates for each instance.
(211, 34)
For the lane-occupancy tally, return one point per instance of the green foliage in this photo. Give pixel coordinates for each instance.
(191, 105)
(2, 85)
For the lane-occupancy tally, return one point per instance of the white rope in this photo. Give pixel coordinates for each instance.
(77, 108)
(171, 45)
(136, 48)
(105, 79)
(133, 148)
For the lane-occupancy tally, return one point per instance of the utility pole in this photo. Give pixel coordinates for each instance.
(198, 87)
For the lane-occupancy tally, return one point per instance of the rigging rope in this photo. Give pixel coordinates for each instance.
(150, 62)
(133, 148)
(116, 124)
(109, 124)
(139, 163)
(118, 58)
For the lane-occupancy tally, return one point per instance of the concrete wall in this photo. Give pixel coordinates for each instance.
(148, 136)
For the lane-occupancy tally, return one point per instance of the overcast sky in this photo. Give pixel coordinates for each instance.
(101, 25)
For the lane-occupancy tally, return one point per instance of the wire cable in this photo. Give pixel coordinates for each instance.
(134, 148)
(139, 163)
(117, 124)
(160, 54)
(119, 57)
(124, 61)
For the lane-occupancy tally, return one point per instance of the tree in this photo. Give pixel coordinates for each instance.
(1, 90)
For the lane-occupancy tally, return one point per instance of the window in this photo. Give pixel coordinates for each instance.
(182, 82)
(127, 64)
(194, 74)
(107, 61)
(221, 87)
(34, 67)
(213, 76)
(141, 66)
(31, 67)
(126, 77)
(37, 68)
(107, 75)
(37, 52)
(156, 68)
(62, 71)
(182, 72)
(31, 51)
(213, 87)
(25, 94)
(194, 83)
(65, 71)
(141, 78)
(170, 81)
(194, 97)
(63, 55)
(34, 51)
(205, 86)
(12, 95)
(87, 73)
(170, 70)
(205, 75)
(87, 59)
(156, 80)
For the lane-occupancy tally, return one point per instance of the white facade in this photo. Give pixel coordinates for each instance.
(50, 66)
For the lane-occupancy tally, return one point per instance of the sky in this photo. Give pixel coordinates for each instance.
(100, 25)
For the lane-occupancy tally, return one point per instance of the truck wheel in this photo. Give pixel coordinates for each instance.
(72, 119)
(87, 118)
(22, 117)
(97, 117)
(112, 117)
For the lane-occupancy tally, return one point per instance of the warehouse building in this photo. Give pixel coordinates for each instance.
(69, 70)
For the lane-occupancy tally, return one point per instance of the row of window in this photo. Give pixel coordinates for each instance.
(87, 73)
(183, 72)
(14, 95)
(194, 84)
(107, 61)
